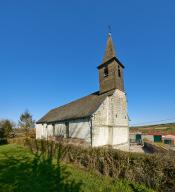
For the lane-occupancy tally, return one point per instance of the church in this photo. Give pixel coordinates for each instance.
(98, 119)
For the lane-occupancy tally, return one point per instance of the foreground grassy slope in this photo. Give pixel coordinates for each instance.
(22, 171)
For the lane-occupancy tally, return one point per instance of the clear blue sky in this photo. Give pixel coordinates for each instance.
(49, 51)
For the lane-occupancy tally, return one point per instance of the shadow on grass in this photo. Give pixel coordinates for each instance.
(3, 141)
(26, 174)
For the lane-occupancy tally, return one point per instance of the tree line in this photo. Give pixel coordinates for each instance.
(25, 123)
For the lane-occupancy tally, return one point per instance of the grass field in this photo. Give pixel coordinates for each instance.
(168, 128)
(21, 171)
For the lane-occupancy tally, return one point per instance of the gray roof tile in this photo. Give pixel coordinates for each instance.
(81, 108)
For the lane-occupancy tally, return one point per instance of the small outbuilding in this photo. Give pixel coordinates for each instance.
(157, 138)
(169, 139)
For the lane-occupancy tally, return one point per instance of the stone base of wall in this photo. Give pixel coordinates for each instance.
(122, 146)
(71, 141)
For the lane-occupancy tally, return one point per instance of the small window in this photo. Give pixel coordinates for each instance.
(53, 125)
(67, 129)
(119, 72)
(106, 72)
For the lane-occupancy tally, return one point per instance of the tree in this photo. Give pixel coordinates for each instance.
(26, 122)
(6, 127)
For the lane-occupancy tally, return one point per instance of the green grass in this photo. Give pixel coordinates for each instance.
(94, 182)
(168, 128)
(22, 171)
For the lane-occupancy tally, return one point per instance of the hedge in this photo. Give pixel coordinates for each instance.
(155, 170)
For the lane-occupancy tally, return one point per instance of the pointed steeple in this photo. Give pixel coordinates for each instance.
(110, 51)
(111, 71)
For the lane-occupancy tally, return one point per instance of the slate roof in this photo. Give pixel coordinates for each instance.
(110, 50)
(81, 108)
(110, 53)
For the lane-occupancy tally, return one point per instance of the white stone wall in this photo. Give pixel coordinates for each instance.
(77, 129)
(38, 131)
(41, 131)
(118, 105)
(80, 129)
(100, 120)
(100, 136)
(60, 129)
(120, 135)
(110, 122)
(49, 130)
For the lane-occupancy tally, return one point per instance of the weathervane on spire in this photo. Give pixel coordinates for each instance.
(109, 30)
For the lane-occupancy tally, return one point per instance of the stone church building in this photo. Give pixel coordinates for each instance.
(99, 119)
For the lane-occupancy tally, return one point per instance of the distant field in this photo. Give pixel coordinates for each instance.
(168, 128)
(22, 171)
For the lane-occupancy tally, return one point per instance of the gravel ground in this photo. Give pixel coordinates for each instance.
(138, 149)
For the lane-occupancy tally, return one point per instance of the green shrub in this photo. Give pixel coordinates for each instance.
(156, 171)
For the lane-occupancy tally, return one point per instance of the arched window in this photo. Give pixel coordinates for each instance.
(106, 72)
(119, 72)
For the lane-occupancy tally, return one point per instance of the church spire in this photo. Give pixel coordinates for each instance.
(110, 51)
(111, 71)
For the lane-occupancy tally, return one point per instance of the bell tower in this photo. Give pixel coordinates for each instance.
(111, 70)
